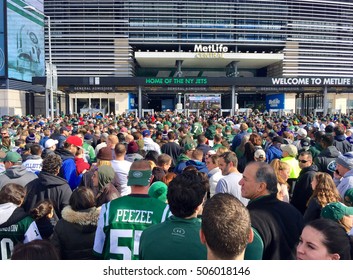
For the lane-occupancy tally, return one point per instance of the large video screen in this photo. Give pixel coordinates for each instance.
(2, 39)
(202, 101)
(25, 37)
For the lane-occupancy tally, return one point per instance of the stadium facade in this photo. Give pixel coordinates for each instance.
(114, 56)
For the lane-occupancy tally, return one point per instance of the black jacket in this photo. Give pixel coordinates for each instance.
(303, 190)
(279, 225)
(74, 233)
(48, 186)
(342, 144)
(326, 160)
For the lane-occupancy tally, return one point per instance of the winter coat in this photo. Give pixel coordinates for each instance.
(303, 190)
(272, 153)
(74, 234)
(279, 225)
(48, 186)
(68, 168)
(200, 166)
(342, 144)
(17, 174)
(326, 160)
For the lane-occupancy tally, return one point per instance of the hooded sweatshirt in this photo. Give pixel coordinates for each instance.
(15, 226)
(17, 174)
(48, 186)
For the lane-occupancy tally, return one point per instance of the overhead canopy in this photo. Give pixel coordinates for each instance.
(209, 61)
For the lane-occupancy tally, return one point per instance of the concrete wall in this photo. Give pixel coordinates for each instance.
(12, 102)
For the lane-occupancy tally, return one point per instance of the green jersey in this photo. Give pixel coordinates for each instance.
(121, 223)
(16, 227)
(174, 239)
(196, 129)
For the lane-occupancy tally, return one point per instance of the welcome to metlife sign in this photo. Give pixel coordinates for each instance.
(312, 81)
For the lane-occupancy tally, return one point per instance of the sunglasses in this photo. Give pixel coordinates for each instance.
(303, 161)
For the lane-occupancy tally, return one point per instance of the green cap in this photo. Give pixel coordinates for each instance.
(158, 190)
(336, 211)
(348, 197)
(13, 157)
(189, 146)
(219, 125)
(139, 177)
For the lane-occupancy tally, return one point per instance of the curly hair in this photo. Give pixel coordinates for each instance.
(325, 190)
(51, 164)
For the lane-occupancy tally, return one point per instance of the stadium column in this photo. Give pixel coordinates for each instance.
(140, 103)
(325, 101)
(234, 100)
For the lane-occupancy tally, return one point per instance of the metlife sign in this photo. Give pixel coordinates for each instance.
(275, 101)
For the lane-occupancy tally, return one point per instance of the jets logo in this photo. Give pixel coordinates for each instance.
(331, 166)
(137, 174)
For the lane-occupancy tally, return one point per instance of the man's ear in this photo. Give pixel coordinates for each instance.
(151, 179)
(336, 257)
(251, 236)
(202, 237)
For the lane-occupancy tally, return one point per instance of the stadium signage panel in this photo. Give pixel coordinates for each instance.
(176, 81)
(210, 51)
(215, 48)
(312, 81)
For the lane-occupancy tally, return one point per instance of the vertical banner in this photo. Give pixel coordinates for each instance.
(2, 40)
(275, 101)
(25, 39)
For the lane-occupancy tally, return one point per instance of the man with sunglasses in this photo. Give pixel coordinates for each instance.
(302, 189)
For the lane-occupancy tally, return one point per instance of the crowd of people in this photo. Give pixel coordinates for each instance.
(174, 187)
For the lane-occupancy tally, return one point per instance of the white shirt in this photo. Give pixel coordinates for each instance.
(122, 168)
(230, 184)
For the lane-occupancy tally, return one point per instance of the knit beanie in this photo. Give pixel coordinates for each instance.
(31, 138)
(346, 160)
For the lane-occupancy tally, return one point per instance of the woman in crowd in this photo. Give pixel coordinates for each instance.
(324, 192)
(324, 239)
(43, 214)
(16, 226)
(282, 170)
(74, 234)
(103, 187)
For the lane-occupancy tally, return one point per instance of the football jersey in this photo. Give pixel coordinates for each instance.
(24, 230)
(121, 223)
(196, 129)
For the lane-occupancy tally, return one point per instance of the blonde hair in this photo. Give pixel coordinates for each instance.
(325, 190)
(101, 162)
(279, 165)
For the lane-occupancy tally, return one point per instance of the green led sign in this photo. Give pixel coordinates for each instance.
(176, 81)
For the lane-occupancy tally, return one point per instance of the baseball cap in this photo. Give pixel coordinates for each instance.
(50, 143)
(158, 190)
(188, 147)
(348, 197)
(290, 149)
(336, 211)
(13, 157)
(146, 132)
(63, 128)
(139, 177)
(74, 140)
(260, 153)
(302, 132)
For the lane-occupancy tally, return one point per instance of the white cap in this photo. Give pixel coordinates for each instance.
(260, 153)
(302, 132)
(50, 143)
(237, 126)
